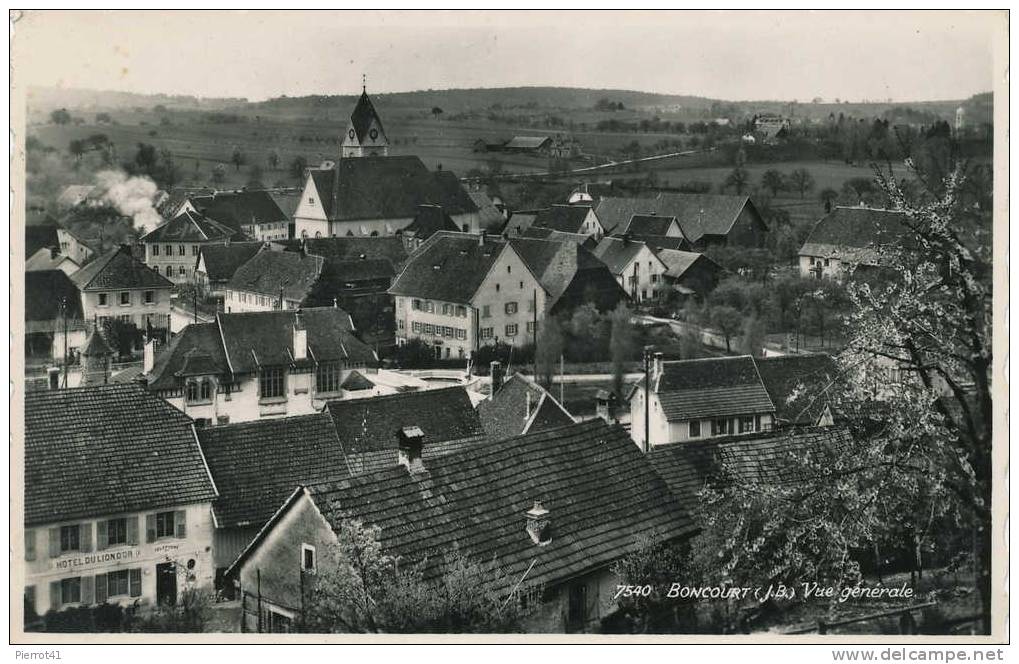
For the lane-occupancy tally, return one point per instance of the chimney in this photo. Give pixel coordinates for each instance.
(605, 409)
(658, 366)
(481, 238)
(149, 357)
(411, 440)
(54, 252)
(539, 524)
(300, 338)
(527, 413)
(53, 378)
(496, 373)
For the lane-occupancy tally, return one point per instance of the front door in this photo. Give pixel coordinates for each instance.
(576, 617)
(166, 583)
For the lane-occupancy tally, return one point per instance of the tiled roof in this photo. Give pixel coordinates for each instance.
(388, 248)
(799, 385)
(360, 463)
(679, 262)
(599, 489)
(711, 387)
(238, 208)
(48, 259)
(40, 237)
(266, 338)
(189, 226)
(766, 458)
(537, 233)
(855, 234)
(519, 221)
(195, 339)
(267, 272)
(491, 217)
(223, 259)
(44, 291)
(361, 118)
(429, 220)
(554, 264)
(118, 269)
(367, 425)
(698, 214)
(449, 267)
(616, 252)
(656, 242)
(521, 406)
(107, 450)
(527, 142)
(387, 188)
(95, 345)
(649, 224)
(257, 464)
(563, 218)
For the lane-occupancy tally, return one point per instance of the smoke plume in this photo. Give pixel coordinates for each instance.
(132, 196)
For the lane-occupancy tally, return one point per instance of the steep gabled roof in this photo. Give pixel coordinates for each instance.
(266, 338)
(678, 262)
(118, 268)
(389, 248)
(617, 253)
(799, 385)
(650, 224)
(763, 458)
(44, 292)
(371, 425)
(257, 464)
(856, 234)
(238, 208)
(697, 214)
(195, 339)
(600, 491)
(269, 272)
(429, 220)
(490, 217)
(40, 236)
(48, 259)
(711, 387)
(387, 188)
(106, 450)
(521, 406)
(190, 226)
(563, 218)
(449, 267)
(223, 259)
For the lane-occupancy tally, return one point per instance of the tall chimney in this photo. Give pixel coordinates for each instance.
(659, 365)
(496, 373)
(411, 440)
(539, 524)
(527, 413)
(149, 356)
(300, 338)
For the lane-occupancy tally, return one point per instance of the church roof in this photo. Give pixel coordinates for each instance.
(363, 115)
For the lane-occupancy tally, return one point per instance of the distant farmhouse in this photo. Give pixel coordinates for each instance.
(848, 238)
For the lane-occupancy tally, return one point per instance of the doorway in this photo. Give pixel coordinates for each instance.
(166, 583)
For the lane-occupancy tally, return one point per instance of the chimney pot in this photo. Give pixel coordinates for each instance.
(658, 365)
(410, 442)
(149, 356)
(539, 524)
(496, 374)
(300, 338)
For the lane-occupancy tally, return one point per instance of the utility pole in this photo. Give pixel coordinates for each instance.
(647, 399)
(63, 315)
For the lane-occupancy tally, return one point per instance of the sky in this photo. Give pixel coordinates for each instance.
(732, 55)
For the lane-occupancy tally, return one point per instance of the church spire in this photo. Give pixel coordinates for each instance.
(365, 136)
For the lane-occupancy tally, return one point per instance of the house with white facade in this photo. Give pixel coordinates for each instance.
(246, 366)
(118, 514)
(849, 237)
(172, 249)
(597, 496)
(635, 265)
(272, 280)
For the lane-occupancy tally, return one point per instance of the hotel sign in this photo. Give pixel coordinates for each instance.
(90, 560)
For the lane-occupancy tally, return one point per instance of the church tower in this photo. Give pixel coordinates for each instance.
(365, 136)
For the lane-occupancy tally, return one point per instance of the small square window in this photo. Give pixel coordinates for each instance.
(102, 299)
(308, 562)
(150, 297)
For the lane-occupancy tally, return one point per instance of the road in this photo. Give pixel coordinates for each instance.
(599, 167)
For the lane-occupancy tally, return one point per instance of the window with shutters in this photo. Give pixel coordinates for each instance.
(719, 427)
(118, 583)
(695, 428)
(180, 250)
(155, 250)
(511, 330)
(70, 538)
(746, 424)
(486, 311)
(29, 545)
(164, 524)
(70, 590)
(149, 297)
(486, 332)
(205, 391)
(168, 250)
(116, 532)
(102, 299)
(511, 308)
(125, 298)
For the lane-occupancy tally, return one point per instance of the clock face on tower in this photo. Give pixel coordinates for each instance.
(351, 134)
(374, 133)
